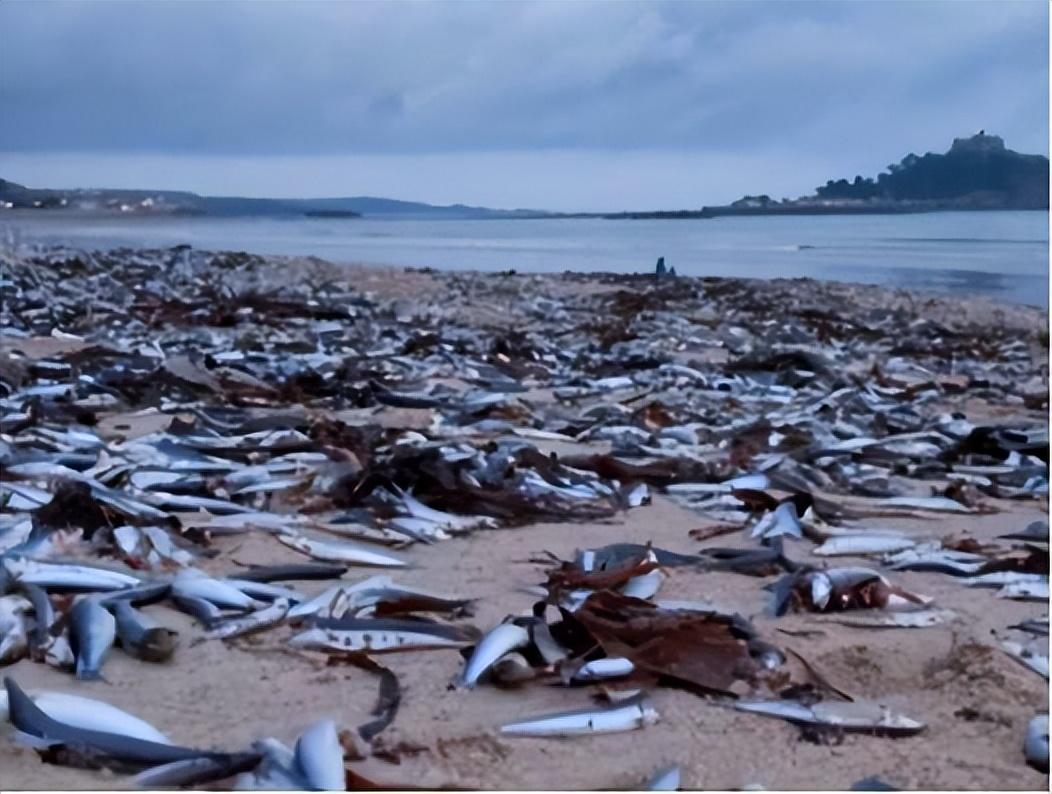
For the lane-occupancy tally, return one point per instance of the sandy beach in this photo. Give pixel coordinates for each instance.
(981, 362)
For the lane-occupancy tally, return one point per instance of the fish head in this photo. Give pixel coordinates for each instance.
(821, 590)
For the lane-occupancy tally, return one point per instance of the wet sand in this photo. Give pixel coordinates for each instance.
(974, 698)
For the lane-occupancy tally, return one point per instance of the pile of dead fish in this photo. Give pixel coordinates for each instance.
(153, 403)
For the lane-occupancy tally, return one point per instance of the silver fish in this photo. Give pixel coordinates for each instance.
(264, 591)
(204, 611)
(340, 552)
(454, 523)
(14, 627)
(93, 630)
(142, 636)
(920, 619)
(1035, 745)
(278, 771)
(853, 545)
(602, 669)
(645, 586)
(1025, 591)
(379, 636)
(43, 617)
(626, 716)
(59, 654)
(252, 622)
(665, 779)
(90, 714)
(1028, 655)
(499, 641)
(1003, 578)
(79, 577)
(320, 757)
(863, 716)
(783, 520)
(192, 583)
(939, 504)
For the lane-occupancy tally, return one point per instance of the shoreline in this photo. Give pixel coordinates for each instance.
(933, 290)
(706, 378)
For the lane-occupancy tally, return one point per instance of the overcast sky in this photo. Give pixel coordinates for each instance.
(556, 105)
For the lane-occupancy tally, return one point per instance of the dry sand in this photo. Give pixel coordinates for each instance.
(975, 699)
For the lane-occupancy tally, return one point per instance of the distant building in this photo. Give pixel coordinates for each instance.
(981, 142)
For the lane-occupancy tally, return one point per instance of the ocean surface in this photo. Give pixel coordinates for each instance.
(1003, 255)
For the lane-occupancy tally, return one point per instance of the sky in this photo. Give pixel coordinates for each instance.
(548, 105)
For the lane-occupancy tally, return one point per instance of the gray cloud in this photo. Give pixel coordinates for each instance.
(781, 87)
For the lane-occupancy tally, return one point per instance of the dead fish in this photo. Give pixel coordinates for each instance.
(783, 520)
(636, 496)
(277, 771)
(140, 595)
(1025, 591)
(375, 595)
(454, 523)
(616, 554)
(418, 529)
(872, 783)
(839, 589)
(665, 779)
(63, 576)
(172, 481)
(171, 501)
(1035, 532)
(855, 545)
(340, 552)
(1038, 626)
(269, 486)
(196, 771)
(603, 669)
(14, 627)
(921, 619)
(193, 583)
(1001, 579)
(254, 621)
(204, 611)
(302, 571)
(494, 645)
(22, 496)
(58, 653)
(625, 716)
(263, 591)
(31, 720)
(1035, 745)
(858, 716)
(512, 668)
(319, 756)
(1028, 656)
(645, 586)
(92, 632)
(142, 636)
(937, 560)
(379, 635)
(90, 714)
(381, 597)
(938, 504)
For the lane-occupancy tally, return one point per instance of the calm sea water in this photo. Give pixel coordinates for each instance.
(1001, 254)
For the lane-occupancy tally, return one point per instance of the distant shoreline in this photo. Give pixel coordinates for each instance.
(705, 213)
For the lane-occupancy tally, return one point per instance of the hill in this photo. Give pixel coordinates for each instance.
(155, 202)
(977, 173)
(977, 170)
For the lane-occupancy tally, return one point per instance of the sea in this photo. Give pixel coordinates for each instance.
(1002, 255)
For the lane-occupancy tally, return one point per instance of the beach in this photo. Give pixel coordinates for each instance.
(589, 356)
